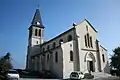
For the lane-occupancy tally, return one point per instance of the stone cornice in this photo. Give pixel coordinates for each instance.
(89, 50)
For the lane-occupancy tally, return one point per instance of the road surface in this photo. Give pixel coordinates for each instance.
(110, 78)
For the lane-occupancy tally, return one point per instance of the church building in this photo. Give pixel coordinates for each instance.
(76, 49)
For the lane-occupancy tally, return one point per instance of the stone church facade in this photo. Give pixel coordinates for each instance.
(77, 49)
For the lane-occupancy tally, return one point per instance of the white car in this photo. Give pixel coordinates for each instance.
(13, 74)
(76, 75)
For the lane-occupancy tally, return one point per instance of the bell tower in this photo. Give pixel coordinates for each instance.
(36, 30)
(36, 36)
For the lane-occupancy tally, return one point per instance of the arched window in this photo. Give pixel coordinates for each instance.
(60, 41)
(43, 49)
(39, 32)
(85, 37)
(71, 55)
(88, 40)
(103, 57)
(86, 27)
(35, 32)
(69, 38)
(36, 42)
(48, 47)
(48, 57)
(54, 45)
(56, 57)
(91, 45)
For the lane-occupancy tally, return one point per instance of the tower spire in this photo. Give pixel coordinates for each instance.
(37, 21)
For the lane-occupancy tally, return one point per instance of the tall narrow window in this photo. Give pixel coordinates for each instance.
(48, 47)
(48, 57)
(71, 55)
(54, 45)
(69, 38)
(35, 32)
(103, 57)
(88, 40)
(85, 40)
(91, 45)
(87, 28)
(56, 57)
(39, 32)
(43, 49)
(36, 42)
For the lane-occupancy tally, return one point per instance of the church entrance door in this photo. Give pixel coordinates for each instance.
(90, 62)
(90, 66)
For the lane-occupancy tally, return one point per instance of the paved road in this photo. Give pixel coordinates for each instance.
(36, 79)
(110, 78)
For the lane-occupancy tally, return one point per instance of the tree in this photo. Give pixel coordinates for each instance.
(5, 64)
(115, 61)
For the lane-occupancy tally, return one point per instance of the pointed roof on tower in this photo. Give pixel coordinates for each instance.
(37, 21)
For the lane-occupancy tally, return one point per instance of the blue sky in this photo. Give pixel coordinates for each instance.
(16, 17)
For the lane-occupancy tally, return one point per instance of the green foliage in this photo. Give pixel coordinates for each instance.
(115, 60)
(5, 64)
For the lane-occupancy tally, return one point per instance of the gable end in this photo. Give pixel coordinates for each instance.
(91, 26)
